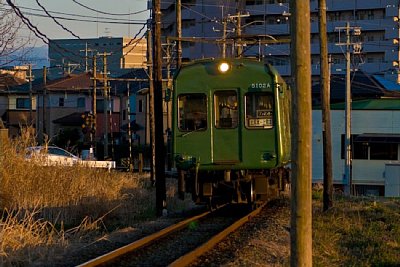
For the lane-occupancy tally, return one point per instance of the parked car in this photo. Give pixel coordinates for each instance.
(52, 155)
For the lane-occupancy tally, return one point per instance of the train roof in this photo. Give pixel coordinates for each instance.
(251, 60)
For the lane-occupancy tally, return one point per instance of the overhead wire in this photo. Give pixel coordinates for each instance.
(107, 13)
(136, 22)
(75, 14)
(59, 24)
(37, 32)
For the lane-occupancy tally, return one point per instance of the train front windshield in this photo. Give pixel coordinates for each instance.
(192, 112)
(259, 110)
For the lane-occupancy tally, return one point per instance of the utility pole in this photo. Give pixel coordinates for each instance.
(326, 112)
(167, 105)
(86, 56)
(44, 104)
(158, 113)
(238, 18)
(129, 127)
(30, 78)
(301, 205)
(151, 104)
(94, 102)
(239, 34)
(224, 23)
(105, 104)
(347, 144)
(178, 33)
(224, 31)
(348, 114)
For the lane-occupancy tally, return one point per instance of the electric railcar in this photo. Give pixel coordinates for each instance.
(231, 130)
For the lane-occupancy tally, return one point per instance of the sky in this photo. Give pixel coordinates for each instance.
(114, 18)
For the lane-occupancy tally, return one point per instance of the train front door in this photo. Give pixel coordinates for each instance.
(226, 127)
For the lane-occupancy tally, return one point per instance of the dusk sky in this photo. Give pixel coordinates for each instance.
(82, 21)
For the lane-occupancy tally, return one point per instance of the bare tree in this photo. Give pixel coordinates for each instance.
(12, 46)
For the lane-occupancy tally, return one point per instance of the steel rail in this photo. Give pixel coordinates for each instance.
(141, 242)
(188, 258)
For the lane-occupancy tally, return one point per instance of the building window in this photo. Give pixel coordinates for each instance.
(99, 105)
(370, 150)
(383, 151)
(188, 2)
(140, 106)
(81, 103)
(23, 103)
(370, 14)
(61, 102)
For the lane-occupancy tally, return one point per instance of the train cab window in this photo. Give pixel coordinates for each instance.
(259, 110)
(226, 109)
(192, 112)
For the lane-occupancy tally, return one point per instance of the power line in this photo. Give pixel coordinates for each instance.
(59, 24)
(72, 15)
(26, 21)
(87, 20)
(108, 13)
(36, 31)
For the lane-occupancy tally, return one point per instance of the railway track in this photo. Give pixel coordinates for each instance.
(179, 244)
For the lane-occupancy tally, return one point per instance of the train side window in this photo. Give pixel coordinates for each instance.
(192, 112)
(259, 110)
(226, 109)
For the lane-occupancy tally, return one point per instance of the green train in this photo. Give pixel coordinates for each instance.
(231, 131)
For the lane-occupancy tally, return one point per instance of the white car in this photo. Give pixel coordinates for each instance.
(52, 155)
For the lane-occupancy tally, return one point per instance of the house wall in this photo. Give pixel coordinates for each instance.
(363, 121)
(12, 102)
(55, 111)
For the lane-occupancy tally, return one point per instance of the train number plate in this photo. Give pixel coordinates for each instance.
(260, 122)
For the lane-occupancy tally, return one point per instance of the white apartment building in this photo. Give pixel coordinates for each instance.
(270, 18)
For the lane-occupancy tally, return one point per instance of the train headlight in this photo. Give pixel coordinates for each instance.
(223, 67)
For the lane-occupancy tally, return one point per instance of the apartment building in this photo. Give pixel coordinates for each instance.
(270, 19)
(77, 54)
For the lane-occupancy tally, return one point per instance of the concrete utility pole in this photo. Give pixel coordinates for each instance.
(348, 114)
(94, 99)
(44, 132)
(105, 104)
(158, 113)
(30, 79)
(326, 112)
(238, 18)
(129, 127)
(301, 205)
(151, 102)
(86, 50)
(347, 143)
(178, 33)
(224, 23)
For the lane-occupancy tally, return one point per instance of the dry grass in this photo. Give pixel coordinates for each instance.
(357, 232)
(46, 208)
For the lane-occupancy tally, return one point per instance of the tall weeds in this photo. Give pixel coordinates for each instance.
(45, 206)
